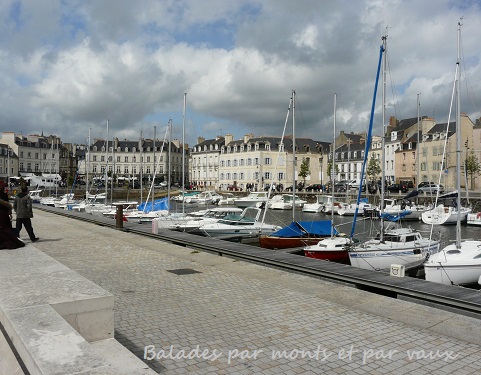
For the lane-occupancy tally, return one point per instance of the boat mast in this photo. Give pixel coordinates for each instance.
(169, 160)
(458, 140)
(332, 167)
(293, 154)
(418, 147)
(88, 167)
(107, 162)
(383, 139)
(183, 152)
(153, 169)
(141, 165)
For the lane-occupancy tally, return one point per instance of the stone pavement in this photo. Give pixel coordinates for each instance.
(234, 317)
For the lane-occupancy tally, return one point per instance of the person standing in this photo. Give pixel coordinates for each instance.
(23, 207)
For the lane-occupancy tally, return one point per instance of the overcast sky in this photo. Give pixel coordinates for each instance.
(67, 66)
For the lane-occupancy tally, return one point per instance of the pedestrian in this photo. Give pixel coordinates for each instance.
(3, 193)
(23, 207)
(8, 240)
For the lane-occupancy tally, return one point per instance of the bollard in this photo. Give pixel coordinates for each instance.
(155, 226)
(119, 217)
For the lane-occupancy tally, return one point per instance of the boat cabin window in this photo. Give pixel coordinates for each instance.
(411, 238)
(477, 256)
(391, 238)
(453, 252)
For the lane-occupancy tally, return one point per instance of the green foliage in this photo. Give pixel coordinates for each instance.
(473, 167)
(304, 172)
(329, 169)
(373, 169)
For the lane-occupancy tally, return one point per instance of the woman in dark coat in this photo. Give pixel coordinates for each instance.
(8, 240)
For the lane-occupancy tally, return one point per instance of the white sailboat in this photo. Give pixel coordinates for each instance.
(458, 263)
(393, 244)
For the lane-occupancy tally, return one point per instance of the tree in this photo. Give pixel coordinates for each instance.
(473, 168)
(304, 172)
(373, 169)
(329, 169)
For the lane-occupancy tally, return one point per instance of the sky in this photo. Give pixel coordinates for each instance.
(69, 67)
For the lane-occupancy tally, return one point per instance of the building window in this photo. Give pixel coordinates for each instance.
(280, 176)
(126, 170)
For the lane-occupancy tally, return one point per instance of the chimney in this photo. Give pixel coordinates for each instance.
(200, 140)
(392, 121)
(228, 138)
(247, 137)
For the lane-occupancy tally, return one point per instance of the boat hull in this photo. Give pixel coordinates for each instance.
(375, 255)
(338, 256)
(271, 242)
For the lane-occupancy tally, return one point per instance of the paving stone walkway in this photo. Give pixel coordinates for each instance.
(199, 313)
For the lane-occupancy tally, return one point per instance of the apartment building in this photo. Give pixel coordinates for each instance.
(256, 162)
(134, 159)
(8, 162)
(35, 153)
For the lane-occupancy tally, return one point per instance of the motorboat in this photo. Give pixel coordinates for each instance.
(317, 206)
(203, 198)
(254, 199)
(473, 218)
(209, 216)
(127, 207)
(285, 202)
(225, 199)
(239, 227)
(334, 249)
(349, 209)
(332, 205)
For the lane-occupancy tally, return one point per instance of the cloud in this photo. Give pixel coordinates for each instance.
(68, 66)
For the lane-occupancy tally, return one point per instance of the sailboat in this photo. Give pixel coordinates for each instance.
(392, 245)
(458, 263)
(333, 248)
(297, 233)
(446, 213)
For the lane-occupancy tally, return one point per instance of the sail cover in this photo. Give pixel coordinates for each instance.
(159, 205)
(320, 228)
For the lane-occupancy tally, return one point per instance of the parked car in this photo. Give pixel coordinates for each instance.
(299, 187)
(340, 187)
(396, 188)
(408, 183)
(314, 187)
(430, 187)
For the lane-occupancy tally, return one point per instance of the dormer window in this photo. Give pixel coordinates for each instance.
(267, 146)
(393, 136)
(410, 146)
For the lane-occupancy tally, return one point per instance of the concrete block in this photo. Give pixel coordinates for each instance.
(8, 361)
(47, 344)
(121, 359)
